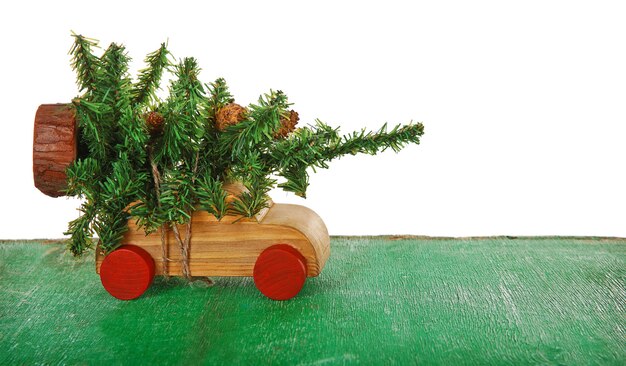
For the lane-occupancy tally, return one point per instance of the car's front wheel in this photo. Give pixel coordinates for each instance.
(280, 272)
(127, 272)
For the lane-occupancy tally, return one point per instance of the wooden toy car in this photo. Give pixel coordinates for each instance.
(279, 247)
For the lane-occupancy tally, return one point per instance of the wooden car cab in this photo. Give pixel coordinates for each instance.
(229, 248)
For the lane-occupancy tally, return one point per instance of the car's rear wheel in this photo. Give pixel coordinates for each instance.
(280, 272)
(127, 272)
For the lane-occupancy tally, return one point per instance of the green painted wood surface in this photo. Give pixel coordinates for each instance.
(378, 301)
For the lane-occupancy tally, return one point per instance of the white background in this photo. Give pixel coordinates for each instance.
(523, 103)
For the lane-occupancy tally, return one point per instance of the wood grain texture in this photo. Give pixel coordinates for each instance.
(231, 247)
(127, 272)
(280, 272)
(410, 301)
(54, 147)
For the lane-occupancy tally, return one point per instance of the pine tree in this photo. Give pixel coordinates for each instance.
(156, 160)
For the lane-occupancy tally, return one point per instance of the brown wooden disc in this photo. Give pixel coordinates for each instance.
(54, 147)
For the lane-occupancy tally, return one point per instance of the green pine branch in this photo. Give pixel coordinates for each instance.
(123, 186)
(316, 146)
(258, 129)
(115, 90)
(177, 197)
(184, 126)
(134, 137)
(254, 198)
(80, 175)
(219, 97)
(368, 142)
(83, 62)
(211, 196)
(297, 180)
(93, 135)
(80, 230)
(144, 91)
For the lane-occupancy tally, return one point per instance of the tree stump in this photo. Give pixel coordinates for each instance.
(54, 147)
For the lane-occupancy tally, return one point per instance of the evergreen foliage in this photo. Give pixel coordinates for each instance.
(157, 161)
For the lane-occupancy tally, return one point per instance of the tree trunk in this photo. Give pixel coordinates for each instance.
(54, 147)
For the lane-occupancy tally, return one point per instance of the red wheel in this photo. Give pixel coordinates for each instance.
(127, 272)
(280, 272)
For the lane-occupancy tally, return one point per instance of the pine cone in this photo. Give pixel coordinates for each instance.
(154, 120)
(288, 125)
(229, 115)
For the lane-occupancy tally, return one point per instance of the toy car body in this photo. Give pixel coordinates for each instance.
(280, 247)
